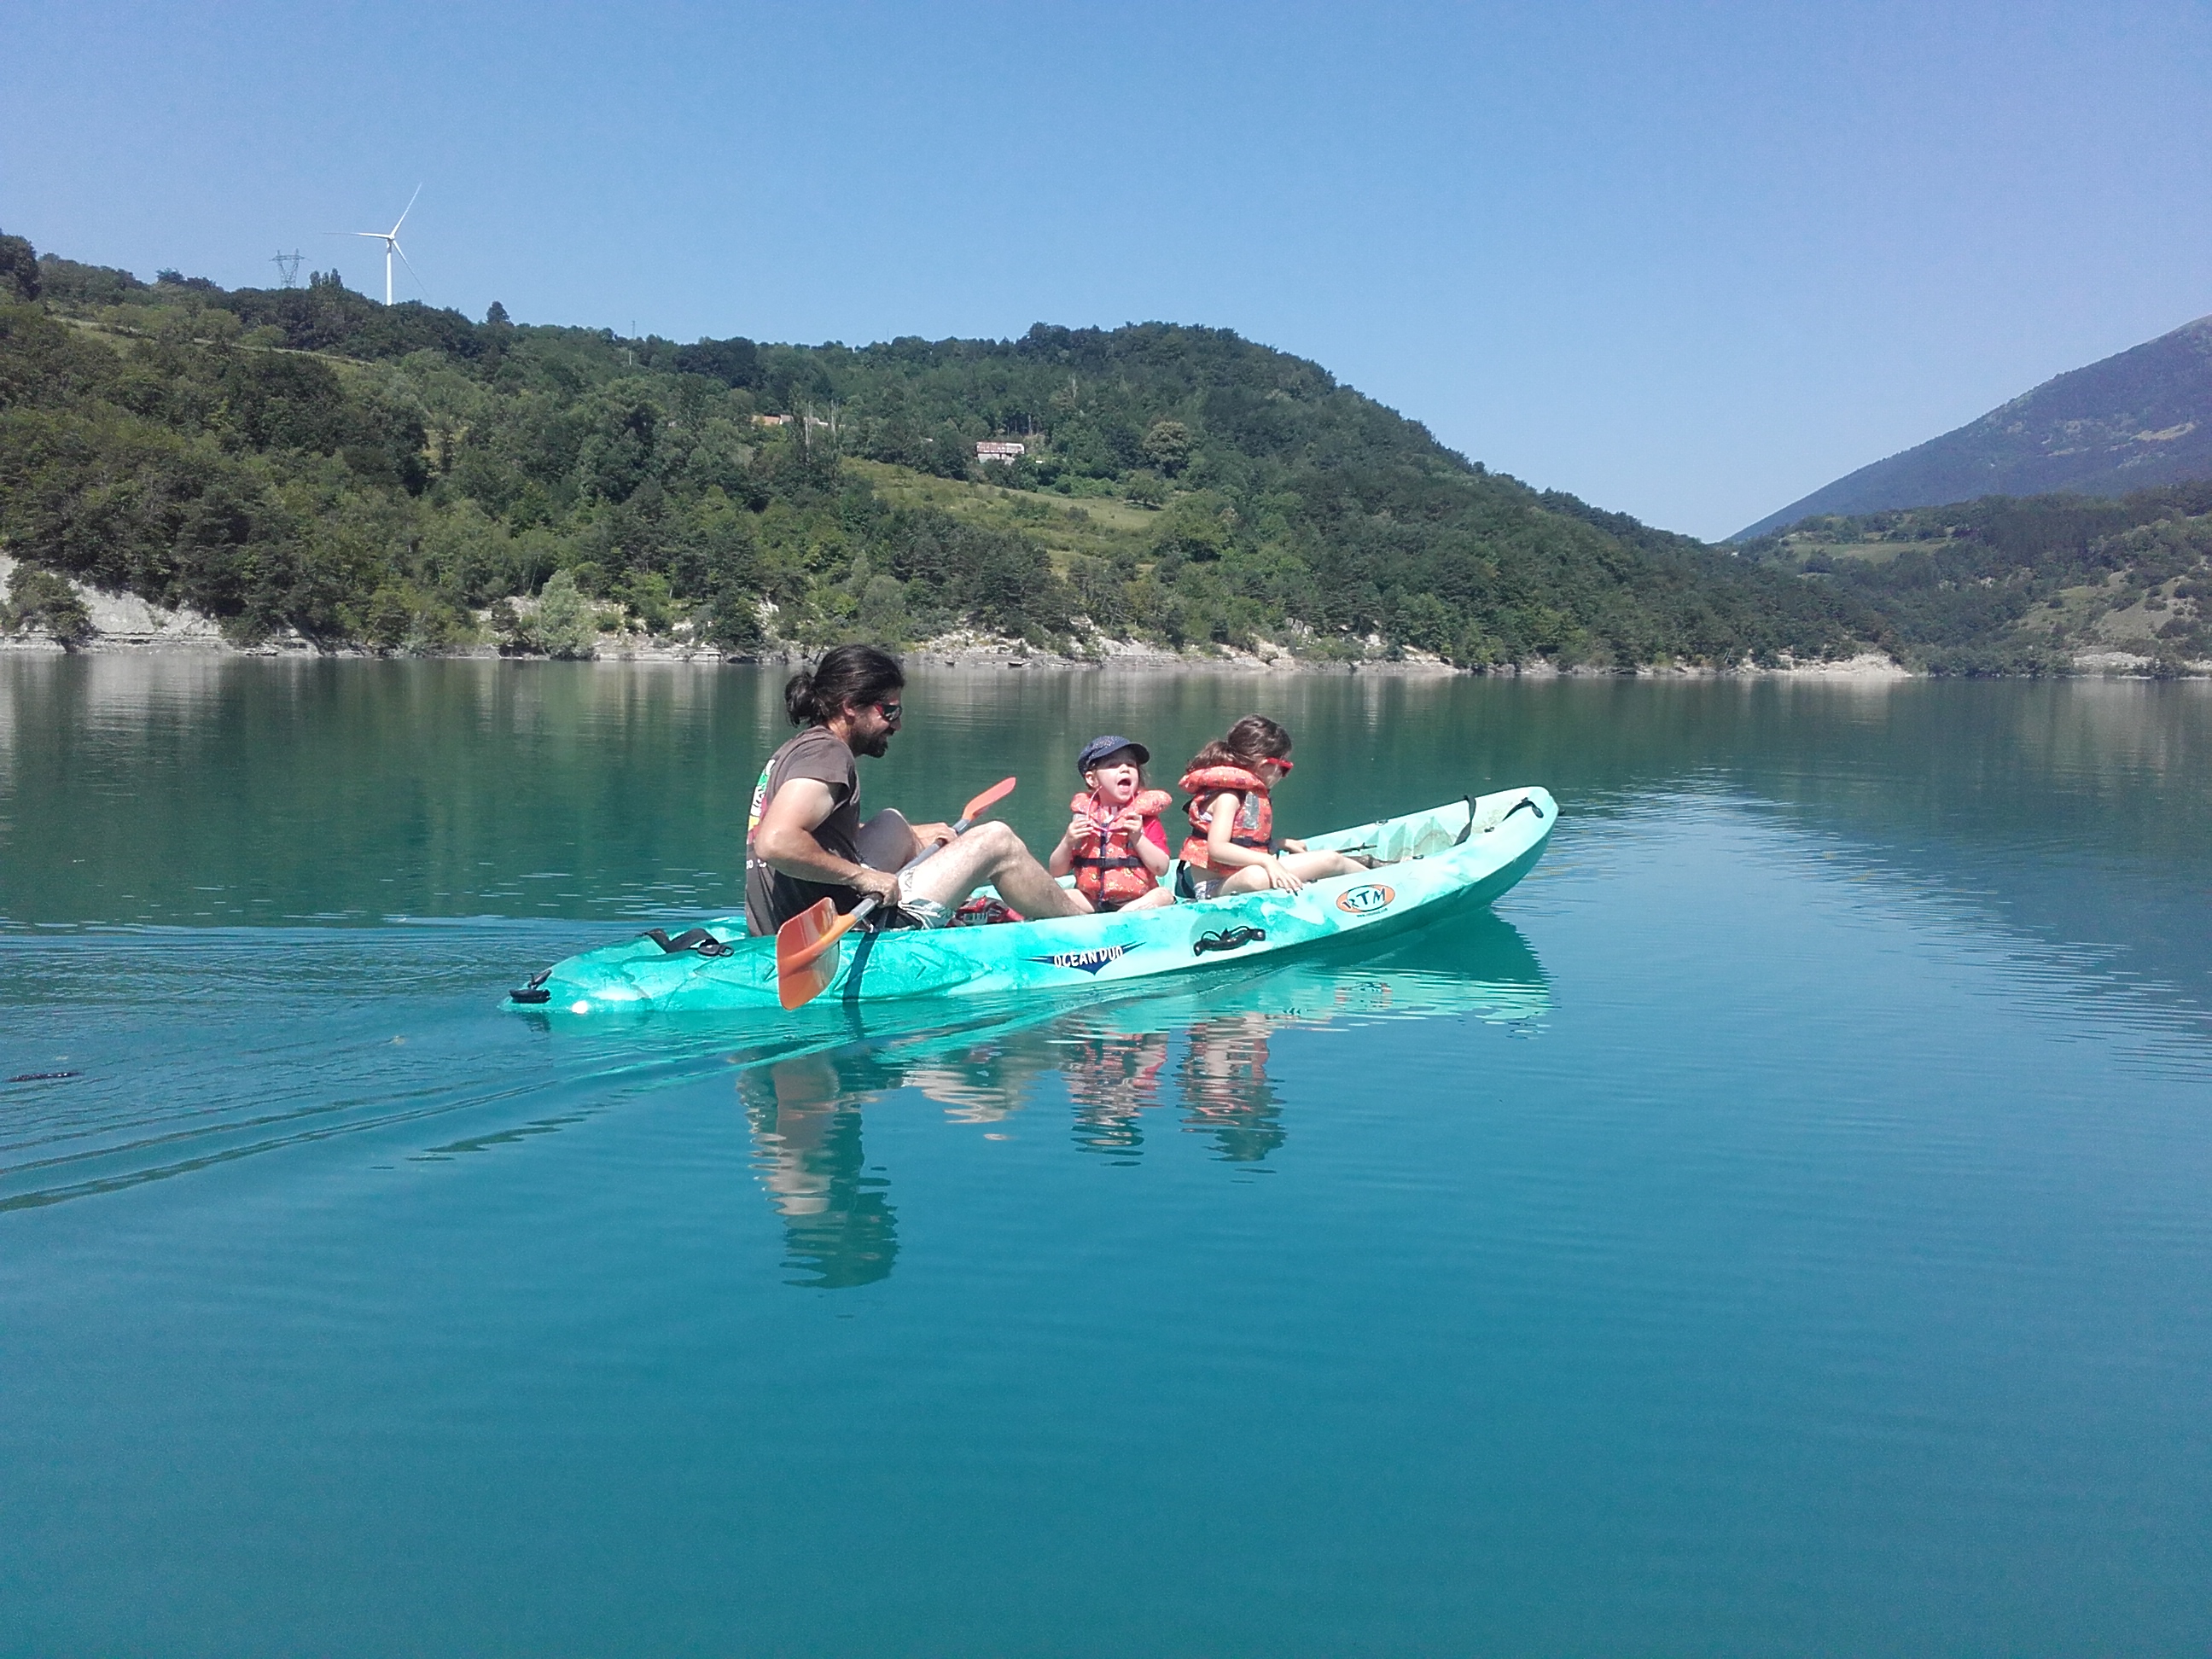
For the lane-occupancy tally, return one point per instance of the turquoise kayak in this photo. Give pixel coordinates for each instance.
(1465, 853)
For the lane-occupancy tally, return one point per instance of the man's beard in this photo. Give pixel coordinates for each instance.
(875, 747)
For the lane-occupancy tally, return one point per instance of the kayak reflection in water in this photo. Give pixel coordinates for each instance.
(805, 1116)
(1113, 1079)
(839, 1225)
(1225, 1087)
(1208, 1055)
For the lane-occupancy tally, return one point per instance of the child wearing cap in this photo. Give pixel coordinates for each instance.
(1115, 844)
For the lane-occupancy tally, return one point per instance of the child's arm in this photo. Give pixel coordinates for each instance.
(1153, 852)
(1223, 853)
(1063, 856)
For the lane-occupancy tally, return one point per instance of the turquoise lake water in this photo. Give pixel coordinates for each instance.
(1782, 1227)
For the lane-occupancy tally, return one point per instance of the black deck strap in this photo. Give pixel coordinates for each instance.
(1229, 938)
(859, 968)
(1529, 802)
(1467, 829)
(533, 993)
(691, 939)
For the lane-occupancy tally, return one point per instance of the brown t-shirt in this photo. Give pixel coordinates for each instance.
(773, 898)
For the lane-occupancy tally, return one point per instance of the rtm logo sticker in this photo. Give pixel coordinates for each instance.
(1365, 900)
(1086, 962)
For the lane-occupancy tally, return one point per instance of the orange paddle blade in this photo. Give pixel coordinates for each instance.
(806, 954)
(990, 797)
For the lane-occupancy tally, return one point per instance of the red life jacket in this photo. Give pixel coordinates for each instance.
(1256, 814)
(1108, 871)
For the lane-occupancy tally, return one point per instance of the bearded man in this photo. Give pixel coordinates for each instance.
(805, 839)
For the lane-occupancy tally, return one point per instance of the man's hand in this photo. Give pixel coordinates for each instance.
(931, 835)
(882, 885)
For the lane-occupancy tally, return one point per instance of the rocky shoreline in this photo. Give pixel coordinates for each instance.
(126, 622)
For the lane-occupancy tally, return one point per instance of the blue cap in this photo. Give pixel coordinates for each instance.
(1099, 748)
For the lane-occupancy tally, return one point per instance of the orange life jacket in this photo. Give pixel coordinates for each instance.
(1108, 871)
(1256, 814)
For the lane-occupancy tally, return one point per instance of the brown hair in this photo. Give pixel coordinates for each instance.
(848, 677)
(1254, 738)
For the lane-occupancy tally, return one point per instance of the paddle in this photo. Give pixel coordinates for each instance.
(806, 945)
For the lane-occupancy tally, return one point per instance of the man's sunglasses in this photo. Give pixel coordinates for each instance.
(891, 711)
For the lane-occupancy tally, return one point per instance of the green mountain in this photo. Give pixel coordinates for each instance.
(405, 477)
(2133, 422)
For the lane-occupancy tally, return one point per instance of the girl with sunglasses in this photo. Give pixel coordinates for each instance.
(1231, 848)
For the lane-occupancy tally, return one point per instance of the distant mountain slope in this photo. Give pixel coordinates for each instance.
(2011, 585)
(2139, 419)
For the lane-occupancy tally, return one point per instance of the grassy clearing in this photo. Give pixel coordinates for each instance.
(1098, 527)
(1872, 550)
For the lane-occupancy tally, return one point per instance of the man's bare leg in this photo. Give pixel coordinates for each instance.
(993, 853)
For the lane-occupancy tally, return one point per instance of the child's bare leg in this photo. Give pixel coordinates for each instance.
(1151, 901)
(1320, 867)
(1306, 866)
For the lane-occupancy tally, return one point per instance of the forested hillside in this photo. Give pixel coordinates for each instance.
(305, 459)
(2029, 585)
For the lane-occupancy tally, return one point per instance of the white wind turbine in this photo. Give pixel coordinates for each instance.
(390, 240)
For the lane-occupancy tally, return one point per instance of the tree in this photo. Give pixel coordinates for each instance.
(497, 317)
(734, 363)
(1167, 447)
(19, 269)
(567, 623)
(882, 612)
(1146, 489)
(40, 598)
(1199, 527)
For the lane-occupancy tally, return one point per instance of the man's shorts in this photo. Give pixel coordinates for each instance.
(914, 911)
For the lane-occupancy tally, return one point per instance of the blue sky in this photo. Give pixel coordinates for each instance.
(1689, 262)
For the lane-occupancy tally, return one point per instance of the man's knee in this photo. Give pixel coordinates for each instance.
(993, 841)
